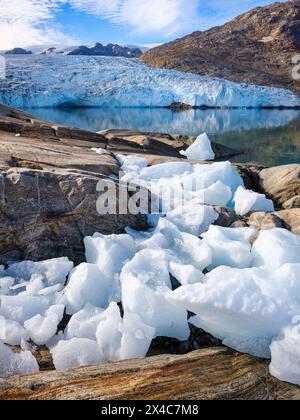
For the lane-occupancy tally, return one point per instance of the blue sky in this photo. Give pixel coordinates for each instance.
(138, 22)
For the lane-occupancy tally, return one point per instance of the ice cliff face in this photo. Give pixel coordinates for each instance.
(117, 82)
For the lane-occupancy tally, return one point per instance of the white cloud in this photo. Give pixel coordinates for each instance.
(164, 17)
(29, 22)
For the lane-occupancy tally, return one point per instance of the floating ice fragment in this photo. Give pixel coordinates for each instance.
(201, 149)
(249, 201)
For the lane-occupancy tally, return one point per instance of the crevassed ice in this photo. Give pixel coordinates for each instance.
(118, 82)
(239, 291)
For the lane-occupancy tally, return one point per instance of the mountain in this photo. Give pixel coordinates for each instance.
(256, 47)
(18, 51)
(110, 50)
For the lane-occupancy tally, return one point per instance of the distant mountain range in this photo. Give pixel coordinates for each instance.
(256, 47)
(110, 50)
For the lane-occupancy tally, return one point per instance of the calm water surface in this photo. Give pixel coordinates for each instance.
(267, 137)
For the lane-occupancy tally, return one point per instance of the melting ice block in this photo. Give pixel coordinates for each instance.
(249, 201)
(121, 339)
(75, 353)
(201, 149)
(84, 323)
(145, 285)
(22, 307)
(285, 352)
(16, 363)
(11, 332)
(109, 252)
(53, 271)
(276, 247)
(87, 284)
(193, 218)
(230, 247)
(43, 327)
(232, 307)
(185, 274)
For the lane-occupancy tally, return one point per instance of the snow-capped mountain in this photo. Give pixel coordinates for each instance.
(47, 81)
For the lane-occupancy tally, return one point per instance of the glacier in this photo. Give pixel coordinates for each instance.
(116, 82)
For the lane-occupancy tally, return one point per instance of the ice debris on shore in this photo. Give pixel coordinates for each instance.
(237, 289)
(201, 149)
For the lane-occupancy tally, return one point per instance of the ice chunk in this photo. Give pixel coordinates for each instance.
(53, 271)
(42, 328)
(136, 337)
(11, 332)
(218, 194)
(247, 201)
(192, 218)
(218, 171)
(5, 285)
(121, 339)
(188, 249)
(285, 352)
(186, 274)
(201, 149)
(109, 252)
(131, 163)
(230, 247)
(276, 247)
(75, 353)
(145, 285)
(100, 151)
(87, 284)
(165, 170)
(22, 307)
(16, 364)
(232, 307)
(84, 324)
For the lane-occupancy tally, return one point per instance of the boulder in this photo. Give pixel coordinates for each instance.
(285, 219)
(48, 195)
(208, 374)
(282, 185)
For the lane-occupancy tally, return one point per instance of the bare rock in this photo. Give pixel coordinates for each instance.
(208, 374)
(282, 184)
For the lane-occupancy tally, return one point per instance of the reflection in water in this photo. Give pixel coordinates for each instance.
(268, 137)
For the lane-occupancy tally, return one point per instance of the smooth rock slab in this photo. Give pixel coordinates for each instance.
(209, 374)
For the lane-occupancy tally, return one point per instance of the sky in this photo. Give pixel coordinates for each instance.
(127, 22)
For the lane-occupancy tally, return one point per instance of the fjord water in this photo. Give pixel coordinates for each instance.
(266, 137)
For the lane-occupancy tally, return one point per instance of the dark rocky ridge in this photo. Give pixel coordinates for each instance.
(110, 50)
(18, 51)
(256, 47)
